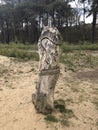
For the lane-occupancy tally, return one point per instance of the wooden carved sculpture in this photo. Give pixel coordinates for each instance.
(48, 49)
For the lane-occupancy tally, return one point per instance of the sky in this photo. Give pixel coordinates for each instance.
(76, 4)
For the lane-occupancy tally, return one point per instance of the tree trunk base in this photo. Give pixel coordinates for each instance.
(43, 98)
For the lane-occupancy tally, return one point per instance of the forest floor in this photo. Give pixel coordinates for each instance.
(78, 89)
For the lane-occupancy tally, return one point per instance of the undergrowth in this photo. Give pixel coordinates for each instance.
(64, 114)
(20, 51)
(66, 47)
(79, 59)
(72, 55)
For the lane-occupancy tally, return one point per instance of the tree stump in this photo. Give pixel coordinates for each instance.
(48, 49)
(43, 99)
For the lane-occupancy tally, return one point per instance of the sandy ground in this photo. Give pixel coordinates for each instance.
(78, 89)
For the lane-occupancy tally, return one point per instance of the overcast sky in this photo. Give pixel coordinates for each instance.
(76, 4)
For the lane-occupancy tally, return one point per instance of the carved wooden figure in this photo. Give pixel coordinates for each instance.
(48, 49)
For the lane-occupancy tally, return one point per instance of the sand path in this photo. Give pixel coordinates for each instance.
(17, 83)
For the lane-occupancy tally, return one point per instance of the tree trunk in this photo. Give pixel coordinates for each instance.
(94, 26)
(8, 33)
(84, 21)
(43, 99)
(53, 17)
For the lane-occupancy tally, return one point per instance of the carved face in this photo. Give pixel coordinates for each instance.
(52, 33)
(50, 29)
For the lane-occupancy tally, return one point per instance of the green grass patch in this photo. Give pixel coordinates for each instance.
(66, 47)
(19, 46)
(64, 113)
(64, 121)
(95, 102)
(79, 59)
(97, 123)
(20, 51)
(64, 118)
(68, 57)
(51, 118)
(60, 105)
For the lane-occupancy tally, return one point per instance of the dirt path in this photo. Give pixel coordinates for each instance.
(17, 83)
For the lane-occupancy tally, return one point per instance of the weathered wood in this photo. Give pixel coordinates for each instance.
(48, 48)
(43, 99)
